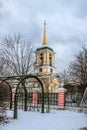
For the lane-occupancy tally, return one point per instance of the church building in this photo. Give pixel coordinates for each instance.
(44, 66)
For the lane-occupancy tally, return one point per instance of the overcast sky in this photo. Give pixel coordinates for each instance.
(66, 24)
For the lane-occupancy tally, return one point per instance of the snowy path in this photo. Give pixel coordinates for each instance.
(55, 120)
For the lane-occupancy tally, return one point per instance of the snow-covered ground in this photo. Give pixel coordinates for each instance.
(55, 120)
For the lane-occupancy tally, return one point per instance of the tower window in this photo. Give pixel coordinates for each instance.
(41, 59)
(40, 69)
(51, 70)
(50, 60)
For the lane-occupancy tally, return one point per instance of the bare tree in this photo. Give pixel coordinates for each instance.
(65, 76)
(78, 69)
(17, 55)
(1, 66)
(66, 81)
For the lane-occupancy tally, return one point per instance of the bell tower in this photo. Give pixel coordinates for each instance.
(45, 58)
(44, 66)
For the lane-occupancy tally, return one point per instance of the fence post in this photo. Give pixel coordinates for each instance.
(61, 98)
(35, 98)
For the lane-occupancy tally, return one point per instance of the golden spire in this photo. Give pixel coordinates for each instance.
(44, 37)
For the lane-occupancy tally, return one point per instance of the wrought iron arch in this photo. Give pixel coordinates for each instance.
(23, 78)
(34, 76)
(4, 81)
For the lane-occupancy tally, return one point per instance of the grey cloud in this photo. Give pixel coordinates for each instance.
(77, 7)
(5, 13)
(70, 40)
(66, 25)
(0, 4)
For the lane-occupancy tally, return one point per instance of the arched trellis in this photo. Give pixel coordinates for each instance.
(10, 91)
(21, 80)
(25, 91)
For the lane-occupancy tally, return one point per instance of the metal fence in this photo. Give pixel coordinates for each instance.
(49, 99)
(73, 99)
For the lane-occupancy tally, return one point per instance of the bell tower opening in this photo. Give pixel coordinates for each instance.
(50, 60)
(41, 59)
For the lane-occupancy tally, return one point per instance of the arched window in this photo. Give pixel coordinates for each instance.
(50, 60)
(40, 69)
(51, 70)
(41, 59)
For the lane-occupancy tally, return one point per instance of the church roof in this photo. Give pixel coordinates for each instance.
(44, 47)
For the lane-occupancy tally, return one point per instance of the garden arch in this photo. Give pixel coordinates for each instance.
(6, 84)
(23, 82)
